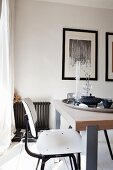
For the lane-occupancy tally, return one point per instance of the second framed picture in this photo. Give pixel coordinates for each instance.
(79, 46)
(109, 56)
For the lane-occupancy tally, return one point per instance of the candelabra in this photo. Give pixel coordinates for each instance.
(87, 87)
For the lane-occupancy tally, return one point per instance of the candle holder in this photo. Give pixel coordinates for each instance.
(87, 86)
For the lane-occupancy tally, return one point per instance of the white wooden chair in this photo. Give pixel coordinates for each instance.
(50, 143)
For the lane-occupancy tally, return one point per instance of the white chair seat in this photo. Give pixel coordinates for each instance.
(51, 143)
(59, 142)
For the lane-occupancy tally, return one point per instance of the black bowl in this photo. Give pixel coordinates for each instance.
(107, 103)
(90, 100)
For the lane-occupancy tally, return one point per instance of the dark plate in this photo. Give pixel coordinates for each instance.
(69, 101)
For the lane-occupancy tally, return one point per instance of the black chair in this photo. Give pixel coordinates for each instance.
(50, 143)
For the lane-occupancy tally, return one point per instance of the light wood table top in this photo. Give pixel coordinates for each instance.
(80, 118)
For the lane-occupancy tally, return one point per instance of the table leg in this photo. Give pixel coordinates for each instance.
(92, 148)
(58, 121)
(108, 143)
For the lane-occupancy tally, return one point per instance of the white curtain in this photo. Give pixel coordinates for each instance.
(6, 73)
(0, 6)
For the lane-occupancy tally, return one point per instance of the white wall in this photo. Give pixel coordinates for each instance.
(38, 48)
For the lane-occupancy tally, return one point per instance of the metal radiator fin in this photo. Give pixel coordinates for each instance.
(42, 109)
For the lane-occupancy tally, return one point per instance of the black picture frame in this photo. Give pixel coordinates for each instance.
(89, 38)
(109, 57)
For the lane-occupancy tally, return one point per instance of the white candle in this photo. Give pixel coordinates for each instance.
(77, 76)
(78, 70)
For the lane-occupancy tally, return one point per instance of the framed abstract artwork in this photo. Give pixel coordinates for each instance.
(79, 46)
(109, 56)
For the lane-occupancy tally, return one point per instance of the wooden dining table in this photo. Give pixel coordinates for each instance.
(86, 119)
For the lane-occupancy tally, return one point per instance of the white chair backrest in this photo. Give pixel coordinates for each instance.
(31, 113)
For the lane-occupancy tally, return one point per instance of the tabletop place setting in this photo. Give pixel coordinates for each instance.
(83, 99)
